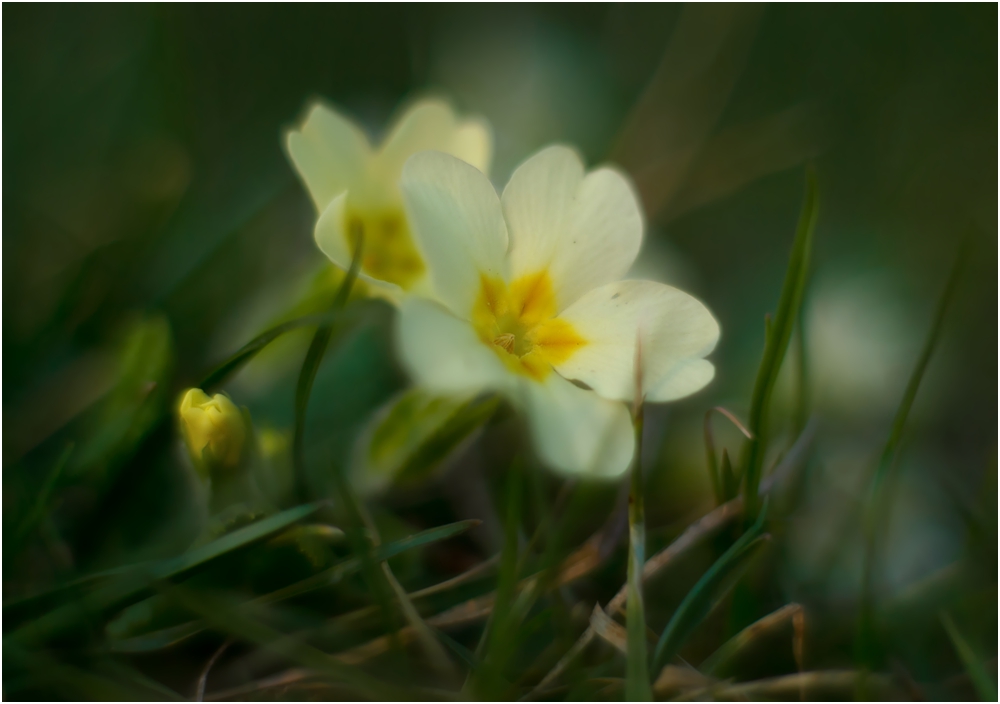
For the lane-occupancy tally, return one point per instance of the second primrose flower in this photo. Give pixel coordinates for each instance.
(355, 187)
(528, 301)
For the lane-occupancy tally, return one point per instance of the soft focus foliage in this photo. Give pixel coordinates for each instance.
(378, 540)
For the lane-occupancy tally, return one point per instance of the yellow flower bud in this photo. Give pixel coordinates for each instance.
(213, 430)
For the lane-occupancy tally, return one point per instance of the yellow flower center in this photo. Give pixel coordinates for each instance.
(389, 252)
(518, 322)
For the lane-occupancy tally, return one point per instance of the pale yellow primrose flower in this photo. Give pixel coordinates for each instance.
(529, 298)
(355, 187)
(214, 430)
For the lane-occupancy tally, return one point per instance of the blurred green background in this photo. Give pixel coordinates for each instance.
(153, 226)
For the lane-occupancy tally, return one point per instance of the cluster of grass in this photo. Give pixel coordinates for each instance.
(331, 596)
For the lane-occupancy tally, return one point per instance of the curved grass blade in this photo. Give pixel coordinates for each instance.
(234, 363)
(712, 586)
(38, 510)
(719, 487)
(379, 575)
(310, 365)
(986, 688)
(778, 333)
(715, 664)
(879, 496)
(157, 640)
(494, 645)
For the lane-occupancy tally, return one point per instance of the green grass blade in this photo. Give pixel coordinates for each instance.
(168, 569)
(334, 574)
(307, 375)
(492, 651)
(712, 459)
(779, 331)
(728, 478)
(361, 533)
(722, 482)
(712, 587)
(986, 688)
(239, 358)
(802, 401)
(380, 576)
(637, 685)
(37, 512)
(425, 537)
(156, 640)
(878, 500)
(916, 377)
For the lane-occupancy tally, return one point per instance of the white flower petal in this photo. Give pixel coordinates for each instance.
(676, 330)
(433, 125)
(575, 431)
(584, 229)
(332, 241)
(683, 379)
(473, 143)
(443, 353)
(455, 215)
(330, 153)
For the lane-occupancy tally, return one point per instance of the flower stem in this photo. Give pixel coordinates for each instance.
(637, 686)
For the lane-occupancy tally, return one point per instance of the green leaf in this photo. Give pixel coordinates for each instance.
(778, 333)
(413, 435)
(307, 375)
(986, 688)
(708, 591)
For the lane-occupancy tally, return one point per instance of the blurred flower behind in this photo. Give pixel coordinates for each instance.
(355, 188)
(862, 340)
